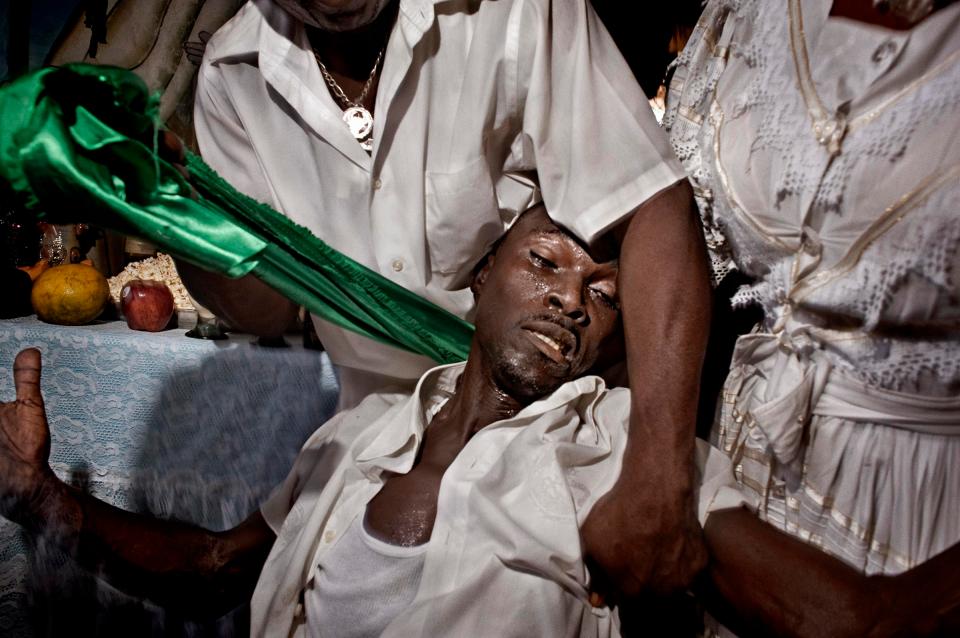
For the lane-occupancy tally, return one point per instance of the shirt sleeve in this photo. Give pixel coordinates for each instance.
(222, 138)
(595, 143)
(316, 450)
(319, 461)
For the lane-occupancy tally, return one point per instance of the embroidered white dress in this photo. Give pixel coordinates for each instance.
(825, 157)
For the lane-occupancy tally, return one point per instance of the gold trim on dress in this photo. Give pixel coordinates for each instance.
(717, 119)
(808, 88)
(892, 215)
(823, 507)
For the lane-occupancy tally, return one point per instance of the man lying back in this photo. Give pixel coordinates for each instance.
(454, 512)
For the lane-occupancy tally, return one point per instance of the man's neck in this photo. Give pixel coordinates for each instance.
(353, 53)
(478, 400)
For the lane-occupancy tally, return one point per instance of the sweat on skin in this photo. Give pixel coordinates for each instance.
(547, 313)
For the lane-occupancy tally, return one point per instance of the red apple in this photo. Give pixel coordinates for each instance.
(146, 304)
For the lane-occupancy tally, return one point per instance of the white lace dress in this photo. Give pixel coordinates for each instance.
(825, 157)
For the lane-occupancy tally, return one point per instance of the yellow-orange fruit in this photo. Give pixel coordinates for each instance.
(69, 295)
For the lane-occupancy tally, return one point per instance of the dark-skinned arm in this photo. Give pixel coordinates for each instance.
(761, 581)
(246, 304)
(202, 573)
(643, 534)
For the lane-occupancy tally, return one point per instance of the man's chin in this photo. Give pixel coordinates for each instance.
(518, 379)
(339, 17)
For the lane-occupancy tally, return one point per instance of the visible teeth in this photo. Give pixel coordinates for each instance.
(547, 340)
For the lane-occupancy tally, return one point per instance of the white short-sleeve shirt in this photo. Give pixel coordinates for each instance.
(505, 555)
(481, 107)
(504, 558)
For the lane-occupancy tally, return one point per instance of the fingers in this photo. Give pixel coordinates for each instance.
(603, 592)
(26, 377)
(194, 50)
(626, 568)
(171, 148)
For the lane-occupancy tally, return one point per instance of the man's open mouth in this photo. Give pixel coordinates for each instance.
(557, 342)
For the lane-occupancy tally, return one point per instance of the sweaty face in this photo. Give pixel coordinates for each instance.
(545, 309)
(335, 15)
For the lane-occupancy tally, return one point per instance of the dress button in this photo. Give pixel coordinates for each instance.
(377, 184)
(397, 265)
(329, 535)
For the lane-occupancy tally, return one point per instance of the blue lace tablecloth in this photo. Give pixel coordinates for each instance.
(182, 428)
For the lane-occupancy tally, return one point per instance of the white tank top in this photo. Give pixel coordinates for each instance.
(361, 585)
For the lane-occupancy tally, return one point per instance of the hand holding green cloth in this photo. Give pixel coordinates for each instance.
(79, 143)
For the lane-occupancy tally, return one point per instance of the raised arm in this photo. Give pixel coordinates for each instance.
(201, 572)
(644, 533)
(246, 304)
(761, 581)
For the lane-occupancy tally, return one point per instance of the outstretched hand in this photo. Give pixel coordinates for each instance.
(24, 439)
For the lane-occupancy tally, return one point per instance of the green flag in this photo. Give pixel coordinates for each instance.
(78, 143)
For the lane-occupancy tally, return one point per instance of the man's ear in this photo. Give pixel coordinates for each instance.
(481, 274)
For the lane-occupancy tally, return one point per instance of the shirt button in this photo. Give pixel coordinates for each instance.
(329, 535)
(397, 265)
(377, 184)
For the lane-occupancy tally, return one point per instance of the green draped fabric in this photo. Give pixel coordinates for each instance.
(78, 143)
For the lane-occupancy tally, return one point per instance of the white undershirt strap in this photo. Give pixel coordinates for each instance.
(361, 585)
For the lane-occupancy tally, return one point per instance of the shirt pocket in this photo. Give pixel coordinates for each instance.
(463, 220)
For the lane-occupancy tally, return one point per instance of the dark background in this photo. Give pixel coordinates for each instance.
(29, 28)
(36, 25)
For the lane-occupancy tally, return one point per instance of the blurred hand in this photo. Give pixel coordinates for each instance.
(24, 440)
(194, 50)
(643, 538)
(171, 150)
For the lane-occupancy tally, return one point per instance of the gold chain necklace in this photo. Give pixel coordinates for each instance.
(358, 119)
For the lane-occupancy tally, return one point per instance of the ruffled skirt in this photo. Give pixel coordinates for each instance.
(869, 476)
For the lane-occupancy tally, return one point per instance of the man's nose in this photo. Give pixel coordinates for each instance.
(568, 299)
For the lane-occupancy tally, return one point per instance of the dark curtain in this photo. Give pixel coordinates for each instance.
(644, 30)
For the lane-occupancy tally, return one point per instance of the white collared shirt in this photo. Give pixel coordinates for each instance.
(504, 558)
(474, 100)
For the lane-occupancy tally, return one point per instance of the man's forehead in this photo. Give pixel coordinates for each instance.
(536, 222)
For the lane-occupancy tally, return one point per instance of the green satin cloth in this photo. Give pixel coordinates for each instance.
(78, 143)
